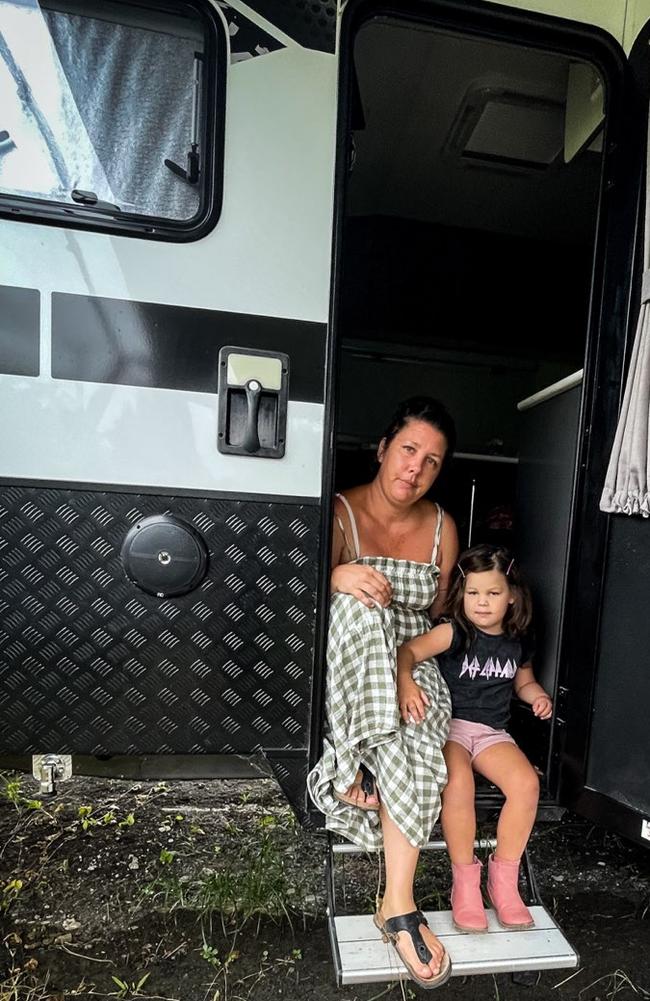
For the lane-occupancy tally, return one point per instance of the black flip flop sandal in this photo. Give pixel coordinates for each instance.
(410, 923)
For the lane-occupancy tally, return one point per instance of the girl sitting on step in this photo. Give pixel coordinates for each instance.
(482, 655)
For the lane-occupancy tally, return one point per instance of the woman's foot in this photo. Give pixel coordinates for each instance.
(406, 947)
(362, 793)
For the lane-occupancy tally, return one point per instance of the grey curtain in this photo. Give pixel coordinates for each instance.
(96, 105)
(626, 483)
(133, 91)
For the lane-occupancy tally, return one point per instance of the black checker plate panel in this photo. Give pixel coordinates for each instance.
(311, 22)
(89, 664)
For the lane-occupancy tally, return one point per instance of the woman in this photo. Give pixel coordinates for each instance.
(392, 553)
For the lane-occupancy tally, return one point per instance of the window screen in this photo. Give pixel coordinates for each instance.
(107, 112)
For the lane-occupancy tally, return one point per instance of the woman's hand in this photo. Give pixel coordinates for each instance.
(366, 584)
(543, 706)
(412, 699)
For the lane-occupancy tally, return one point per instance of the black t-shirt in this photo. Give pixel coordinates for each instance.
(480, 678)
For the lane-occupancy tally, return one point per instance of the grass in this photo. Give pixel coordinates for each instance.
(615, 982)
(253, 883)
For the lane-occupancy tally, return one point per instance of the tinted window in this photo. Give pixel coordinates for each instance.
(106, 110)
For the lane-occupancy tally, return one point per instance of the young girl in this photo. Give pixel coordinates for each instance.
(482, 655)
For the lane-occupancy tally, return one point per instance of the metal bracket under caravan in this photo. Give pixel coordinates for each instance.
(48, 769)
(360, 955)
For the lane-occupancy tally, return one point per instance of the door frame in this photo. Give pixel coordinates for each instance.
(606, 338)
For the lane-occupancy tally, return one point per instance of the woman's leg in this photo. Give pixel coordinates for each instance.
(509, 769)
(401, 860)
(458, 816)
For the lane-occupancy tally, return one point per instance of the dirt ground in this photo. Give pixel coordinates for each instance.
(209, 891)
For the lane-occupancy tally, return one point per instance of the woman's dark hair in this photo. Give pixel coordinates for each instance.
(422, 408)
(478, 560)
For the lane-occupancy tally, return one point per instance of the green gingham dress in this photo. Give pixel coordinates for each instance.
(363, 722)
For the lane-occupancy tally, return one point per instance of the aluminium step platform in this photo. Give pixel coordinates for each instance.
(360, 955)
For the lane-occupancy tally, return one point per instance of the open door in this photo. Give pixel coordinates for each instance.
(603, 751)
(486, 213)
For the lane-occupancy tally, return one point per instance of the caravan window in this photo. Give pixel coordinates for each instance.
(109, 114)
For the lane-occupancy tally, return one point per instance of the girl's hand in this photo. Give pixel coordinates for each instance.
(543, 706)
(365, 583)
(412, 699)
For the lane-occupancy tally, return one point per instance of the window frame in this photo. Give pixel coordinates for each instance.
(43, 211)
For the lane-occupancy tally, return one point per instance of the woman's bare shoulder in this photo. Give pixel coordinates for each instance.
(428, 510)
(355, 496)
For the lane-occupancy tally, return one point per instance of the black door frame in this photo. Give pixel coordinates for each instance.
(611, 306)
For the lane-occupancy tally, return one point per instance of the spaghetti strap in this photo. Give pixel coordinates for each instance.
(353, 525)
(436, 541)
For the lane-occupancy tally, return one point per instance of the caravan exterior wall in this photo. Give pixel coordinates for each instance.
(109, 369)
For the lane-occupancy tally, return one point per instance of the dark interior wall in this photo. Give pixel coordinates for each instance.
(481, 395)
(445, 286)
(547, 458)
(619, 751)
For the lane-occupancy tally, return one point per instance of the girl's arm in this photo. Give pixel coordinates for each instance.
(530, 691)
(420, 648)
(413, 701)
(446, 562)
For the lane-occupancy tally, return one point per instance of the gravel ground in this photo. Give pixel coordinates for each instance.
(209, 891)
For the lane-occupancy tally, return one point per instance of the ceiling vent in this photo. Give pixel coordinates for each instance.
(505, 129)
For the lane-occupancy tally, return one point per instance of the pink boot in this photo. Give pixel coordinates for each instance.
(467, 911)
(503, 891)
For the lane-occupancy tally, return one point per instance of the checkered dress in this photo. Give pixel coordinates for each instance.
(362, 715)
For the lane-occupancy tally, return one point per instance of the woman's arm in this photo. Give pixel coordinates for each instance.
(447, 558)
(365, 583)
(529, 690)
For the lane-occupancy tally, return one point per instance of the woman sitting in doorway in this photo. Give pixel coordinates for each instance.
(392, 554)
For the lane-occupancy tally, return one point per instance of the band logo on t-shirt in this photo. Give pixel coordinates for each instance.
(492, 668)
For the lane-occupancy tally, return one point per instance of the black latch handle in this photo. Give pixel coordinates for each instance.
(251, 440)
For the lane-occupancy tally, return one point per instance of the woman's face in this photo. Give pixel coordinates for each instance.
(412, 461)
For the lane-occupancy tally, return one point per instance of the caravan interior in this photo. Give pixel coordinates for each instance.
(467, 254)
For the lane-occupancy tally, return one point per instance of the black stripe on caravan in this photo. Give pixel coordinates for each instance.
(19, 330)
(128, 343)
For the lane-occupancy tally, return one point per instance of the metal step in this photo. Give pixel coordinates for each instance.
(360, 955)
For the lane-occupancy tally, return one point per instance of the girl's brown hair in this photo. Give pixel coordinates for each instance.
(478, 560)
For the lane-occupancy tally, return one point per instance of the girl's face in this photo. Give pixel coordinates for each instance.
(412, 461)
(486, 598)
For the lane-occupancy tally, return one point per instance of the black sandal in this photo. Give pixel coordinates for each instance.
(410, 923)
(368, 788)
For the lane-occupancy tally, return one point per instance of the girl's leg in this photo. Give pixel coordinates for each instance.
(506, 766)
(459, 828)
(401, 860)
(458, 816)
(509, 769)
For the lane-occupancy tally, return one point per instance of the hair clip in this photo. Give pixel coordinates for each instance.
(510, 566)
(462, 572)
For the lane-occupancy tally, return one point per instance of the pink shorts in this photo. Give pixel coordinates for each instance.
(476, 737)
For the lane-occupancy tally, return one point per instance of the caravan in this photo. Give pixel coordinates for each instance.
(232, 236)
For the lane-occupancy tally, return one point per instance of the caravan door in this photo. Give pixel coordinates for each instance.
(165, 224)
(603, 749)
